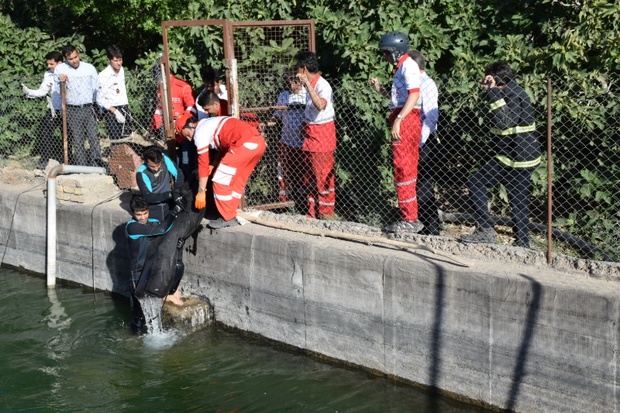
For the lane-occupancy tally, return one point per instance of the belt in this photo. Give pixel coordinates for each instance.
(85, 105)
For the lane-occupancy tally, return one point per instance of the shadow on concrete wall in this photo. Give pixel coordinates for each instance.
(117, 260)
(436, 343)
(534, 298)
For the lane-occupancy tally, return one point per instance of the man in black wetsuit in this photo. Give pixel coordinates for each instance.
(139, 231)
(160, 181)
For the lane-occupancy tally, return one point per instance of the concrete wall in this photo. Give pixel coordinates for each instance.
(524, 338)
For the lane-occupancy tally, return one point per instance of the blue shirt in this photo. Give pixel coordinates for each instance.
(82, 82)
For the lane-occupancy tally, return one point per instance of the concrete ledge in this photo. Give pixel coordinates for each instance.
(525, 338)
(85, 189)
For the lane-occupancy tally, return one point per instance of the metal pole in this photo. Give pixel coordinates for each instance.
(65, 133)
(549, 176)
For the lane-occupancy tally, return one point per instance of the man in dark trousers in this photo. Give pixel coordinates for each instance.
(81, 86)
(517, 155)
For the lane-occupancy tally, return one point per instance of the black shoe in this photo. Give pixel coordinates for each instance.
(221, 223)
(480, 235)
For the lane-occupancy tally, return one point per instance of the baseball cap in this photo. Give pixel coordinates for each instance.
(182, 121)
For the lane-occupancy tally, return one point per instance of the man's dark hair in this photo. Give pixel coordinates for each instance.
(209, 76)
(68, 49)
(138, 203)
(502, 73)
(307, 59)
(153, 153)
(417, 57)
(209, 97)
(56, 56)
(288, 77)
(114, 51)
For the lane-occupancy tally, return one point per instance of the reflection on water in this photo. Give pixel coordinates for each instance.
(68, 350)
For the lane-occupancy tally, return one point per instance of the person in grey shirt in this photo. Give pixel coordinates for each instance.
(81, 85)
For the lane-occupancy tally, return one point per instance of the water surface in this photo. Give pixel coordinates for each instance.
(71, 350)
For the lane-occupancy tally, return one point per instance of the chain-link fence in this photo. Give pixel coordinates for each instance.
(585, 150)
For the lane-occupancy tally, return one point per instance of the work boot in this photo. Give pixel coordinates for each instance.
(400, 227)
(221, 223)
(480, 235)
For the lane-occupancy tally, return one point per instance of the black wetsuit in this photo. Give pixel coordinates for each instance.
(139, 237)
(157, 188)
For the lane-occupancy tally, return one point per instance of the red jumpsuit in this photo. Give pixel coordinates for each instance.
(182, 101)
(241, 146)
(405, 151)
(318, 150)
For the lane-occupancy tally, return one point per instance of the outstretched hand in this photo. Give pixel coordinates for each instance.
(201, 200)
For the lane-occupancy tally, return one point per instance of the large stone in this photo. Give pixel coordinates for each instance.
(85, 188)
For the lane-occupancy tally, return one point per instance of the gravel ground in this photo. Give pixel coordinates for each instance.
(12, 173)
(448, 244)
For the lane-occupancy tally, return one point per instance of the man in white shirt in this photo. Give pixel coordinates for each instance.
(81, 85)
(406, 128)
(112, 96)
(319, 131)
(45, 144)
(428, 211)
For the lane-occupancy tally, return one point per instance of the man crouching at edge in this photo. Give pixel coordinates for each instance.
(140, 230)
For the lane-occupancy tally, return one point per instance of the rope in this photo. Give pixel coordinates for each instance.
(405, 246)
(92, 234)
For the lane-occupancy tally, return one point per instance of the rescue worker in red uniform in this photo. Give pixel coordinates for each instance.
(517, 155)
(182, 102)
(240, 147)
(319, 130)
(406, 128)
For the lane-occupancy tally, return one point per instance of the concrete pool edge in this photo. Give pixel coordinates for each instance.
(523, 337)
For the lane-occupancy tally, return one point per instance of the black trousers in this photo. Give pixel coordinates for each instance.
(82, 125)
(428, 211)
(46, 145)
(115, 129)
(187, 159)
(518, 187)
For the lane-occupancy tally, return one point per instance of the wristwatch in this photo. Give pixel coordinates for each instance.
(399, 116)
(201, 189)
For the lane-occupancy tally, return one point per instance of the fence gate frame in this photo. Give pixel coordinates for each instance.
(229, 60)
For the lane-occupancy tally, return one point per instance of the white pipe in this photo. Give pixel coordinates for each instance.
(51, 213)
